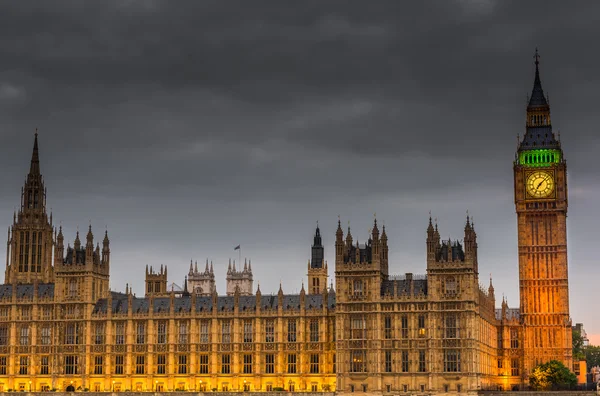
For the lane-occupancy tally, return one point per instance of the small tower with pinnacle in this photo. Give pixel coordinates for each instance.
(156, 281)
(241, 279)
(317, 266)
(201, 283)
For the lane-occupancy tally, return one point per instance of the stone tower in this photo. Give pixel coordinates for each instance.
(241, 280)
(201, 283)
(156, 282)
(317, 267)
(540, 176)
(30, 238)
(82, 272)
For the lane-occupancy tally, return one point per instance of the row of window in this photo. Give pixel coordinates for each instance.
(514, 366)
(404, 326)
(71, 364)
(73, 333)
(358, 361)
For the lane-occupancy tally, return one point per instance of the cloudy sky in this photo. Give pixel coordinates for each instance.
(190, 128)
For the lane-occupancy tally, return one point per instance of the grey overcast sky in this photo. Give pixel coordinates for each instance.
(188, 128)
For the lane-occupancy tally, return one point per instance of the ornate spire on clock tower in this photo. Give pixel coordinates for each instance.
(540, 188)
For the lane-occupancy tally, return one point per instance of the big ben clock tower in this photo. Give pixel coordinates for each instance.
(540, 172)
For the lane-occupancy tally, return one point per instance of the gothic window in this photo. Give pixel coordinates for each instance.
(44, 365)
(3, 363)
(26, 262)
(404, 361)
(72, 333)
(451, 361)
(21, 251)
(71, 366)
(247, 364)
(514, 367)
(451, 285)
(26, 313)
(421, 324)
(358, 361)
(140, 333)
(358, 288)
(314, 363)
(514, 338)
(98, 364)
(46, 335)
(33, 250)
(149, 287)
(247, 331)
(291, 330)
(99, 334)
(39, 256)
(23, 365)
(204, 339)
(120, 333)
(422, 361)
(316, 287)
(4, 334)
(203, 364)
(269, 330)
(314, 330)
(119, 363)
(387, 327)
(183, 332)
(24, 336)
(291, 363)
(161, 364)
(404, 326)
(358, 328)
(225, 364)
(388, 361)
(226, 332)
(182, 364)
(157, 287)
(161, 332)
(451, 328)
(73, 288)
(269, 363)
(140, 364)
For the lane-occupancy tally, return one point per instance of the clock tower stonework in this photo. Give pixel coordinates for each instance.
(541, 200)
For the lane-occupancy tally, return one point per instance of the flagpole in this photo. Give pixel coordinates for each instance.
(240, 257)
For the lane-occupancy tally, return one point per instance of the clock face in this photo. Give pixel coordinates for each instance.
(540, 184)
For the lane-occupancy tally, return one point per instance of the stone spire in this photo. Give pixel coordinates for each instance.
(34, 168)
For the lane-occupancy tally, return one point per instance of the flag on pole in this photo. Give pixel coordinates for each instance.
(237, 247)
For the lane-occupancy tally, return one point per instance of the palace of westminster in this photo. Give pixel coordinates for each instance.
(61, 327)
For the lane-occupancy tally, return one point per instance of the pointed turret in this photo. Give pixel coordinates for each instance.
(89, 237)
(206, 271)
(537, 94)
(34, 169)
(191, 267)
(317, 250)
(77, 243)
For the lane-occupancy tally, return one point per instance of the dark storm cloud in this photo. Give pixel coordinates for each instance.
(191, 127)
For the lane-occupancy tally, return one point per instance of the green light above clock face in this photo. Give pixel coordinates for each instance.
(540, 157)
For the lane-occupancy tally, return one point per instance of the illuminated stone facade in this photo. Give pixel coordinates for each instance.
(62, 328)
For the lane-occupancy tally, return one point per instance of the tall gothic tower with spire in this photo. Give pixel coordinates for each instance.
(30, 240)
(540, 177)
(317, 266)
